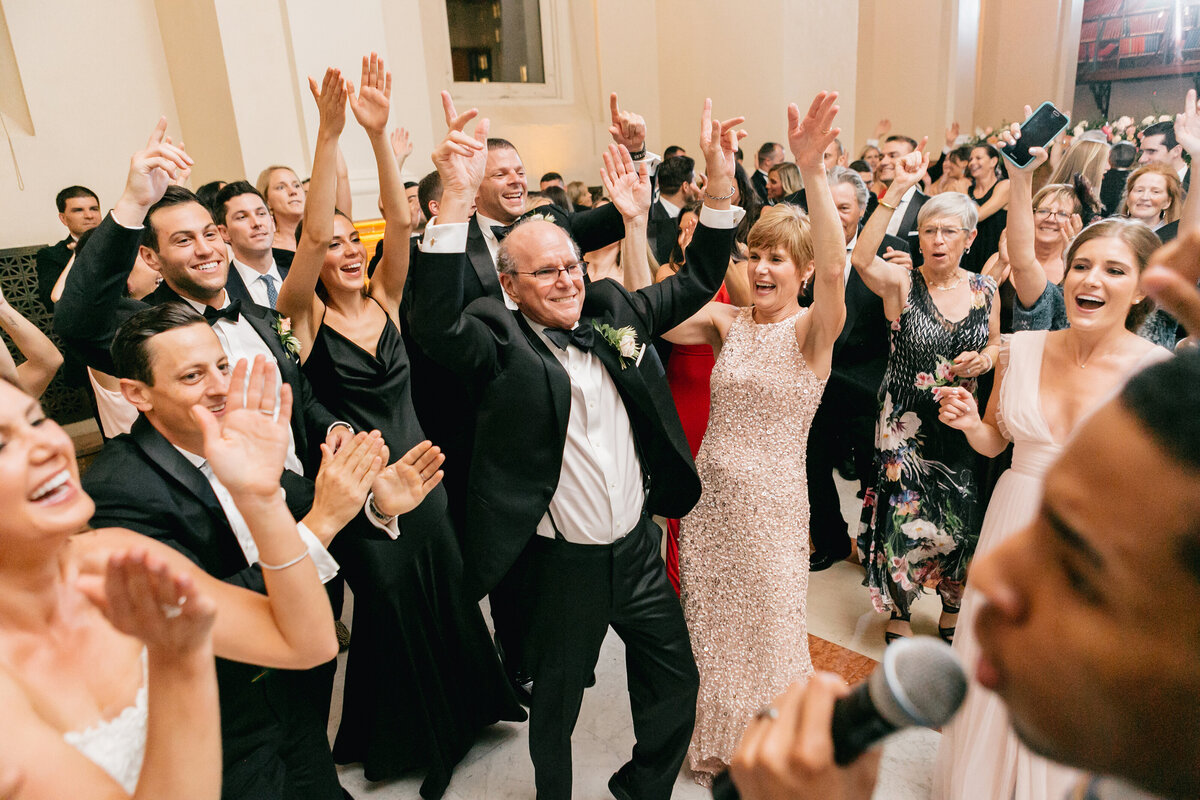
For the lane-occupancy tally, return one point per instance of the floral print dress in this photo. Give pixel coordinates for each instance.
(921, 520)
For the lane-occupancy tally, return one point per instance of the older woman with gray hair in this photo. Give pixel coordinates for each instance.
(921, 520)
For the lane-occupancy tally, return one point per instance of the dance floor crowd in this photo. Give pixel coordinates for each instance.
(619, 406)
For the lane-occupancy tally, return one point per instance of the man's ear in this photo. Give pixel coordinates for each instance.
(508, 284)
(62, 218)
(151, 258)
(433, 206)
(137, 395)
(224, 231)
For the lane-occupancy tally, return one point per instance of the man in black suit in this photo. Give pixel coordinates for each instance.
(845, 422)
(154, 480)
(770, 154)
(449, 418)
(903, 222)
(578, 443)
(676, 188)
(246, 225)
(79, 210)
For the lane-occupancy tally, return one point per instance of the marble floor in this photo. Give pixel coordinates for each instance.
(846, 636)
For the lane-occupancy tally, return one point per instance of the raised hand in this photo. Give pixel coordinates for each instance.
(628, 185)
(719, 143)
(402, 146)
(151, 171)
(1187, 126)
(882, 128)
(809, 136)
(461, 158)
(185, 173)
(373, 102)
(331, 101)
(247, 446)
(952, 134)
(628, 128)
(911, 168)
(958, 409)
(1009, 137)
(402, 486)
(142, 597)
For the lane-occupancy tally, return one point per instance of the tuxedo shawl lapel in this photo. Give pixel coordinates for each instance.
(481, 260)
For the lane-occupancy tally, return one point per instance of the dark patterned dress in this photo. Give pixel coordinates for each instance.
(921, 520)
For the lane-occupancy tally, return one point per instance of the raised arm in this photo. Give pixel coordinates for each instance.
(371, 107)
(86, 315)
(1028, 277)
(298, 296)
(629, 187)
(1187, 133)
(808, 138)
(889, 281)
(42, 358)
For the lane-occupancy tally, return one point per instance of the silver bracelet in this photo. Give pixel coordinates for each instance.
(990, 363)
(291, 563)
(732, 189)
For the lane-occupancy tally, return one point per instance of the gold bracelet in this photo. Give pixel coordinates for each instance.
(888, 206)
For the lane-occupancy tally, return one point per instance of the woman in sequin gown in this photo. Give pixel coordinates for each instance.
(921, 519)
(743, 550)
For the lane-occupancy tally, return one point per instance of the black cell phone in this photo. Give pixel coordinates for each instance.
(1037, 131)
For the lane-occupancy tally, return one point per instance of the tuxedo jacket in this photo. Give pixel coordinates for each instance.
(860, 353)
(141, 482)
(525, 395)
(49, 262)
(93, 306)
(663, 231)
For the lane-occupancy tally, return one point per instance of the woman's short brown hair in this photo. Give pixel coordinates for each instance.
(785, 227)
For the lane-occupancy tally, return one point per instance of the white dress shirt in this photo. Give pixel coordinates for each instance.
(849, 266)
(901, 208)
(600, 488)
(327, 567)
(257, 289)
(240, 340)
(673, 211)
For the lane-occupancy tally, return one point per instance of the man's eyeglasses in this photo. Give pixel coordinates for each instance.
(948, 234)
(1057, 216)
(550, 274)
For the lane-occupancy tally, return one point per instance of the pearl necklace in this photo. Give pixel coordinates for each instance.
(945, 288)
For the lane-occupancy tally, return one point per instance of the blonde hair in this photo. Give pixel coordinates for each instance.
(1058, 191)
(576, 191)
(264, 180)
(1085, 157)
(785, 227)
(1174, 190)
(789, 177)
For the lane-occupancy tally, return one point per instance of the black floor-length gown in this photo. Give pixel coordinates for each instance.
(422, 675)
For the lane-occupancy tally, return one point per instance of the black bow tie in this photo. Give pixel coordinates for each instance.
(500, 231)
(582, 336)
(230, 312)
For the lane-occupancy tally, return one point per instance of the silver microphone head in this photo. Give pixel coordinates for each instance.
(920, 682)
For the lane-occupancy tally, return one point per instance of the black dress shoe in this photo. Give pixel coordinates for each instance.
(820, 561)
(847, 470)
(522, 686)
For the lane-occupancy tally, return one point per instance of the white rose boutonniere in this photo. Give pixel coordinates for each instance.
(624, 341)
(283, 329)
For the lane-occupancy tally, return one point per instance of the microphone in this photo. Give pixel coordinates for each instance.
(919, 683)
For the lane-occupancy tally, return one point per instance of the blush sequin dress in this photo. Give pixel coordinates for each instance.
(743, 550)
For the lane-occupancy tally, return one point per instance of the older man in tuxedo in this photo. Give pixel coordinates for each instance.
(577, 444)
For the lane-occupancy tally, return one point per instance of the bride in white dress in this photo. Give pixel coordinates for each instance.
(1047, 383)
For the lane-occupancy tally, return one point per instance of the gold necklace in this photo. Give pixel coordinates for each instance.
(946, 288)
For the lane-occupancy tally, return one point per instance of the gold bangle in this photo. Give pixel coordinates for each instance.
(888, 206)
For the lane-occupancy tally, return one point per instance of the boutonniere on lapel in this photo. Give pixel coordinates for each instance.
(283, 329)
(624, 341)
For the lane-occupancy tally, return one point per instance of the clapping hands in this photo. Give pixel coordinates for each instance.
(402, 486)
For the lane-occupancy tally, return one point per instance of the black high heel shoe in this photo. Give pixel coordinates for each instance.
(947, 634)
(891, 636)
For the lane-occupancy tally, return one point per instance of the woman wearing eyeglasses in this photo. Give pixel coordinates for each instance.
(921, 519)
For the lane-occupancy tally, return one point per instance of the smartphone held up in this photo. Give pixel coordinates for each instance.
(1039, 130)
